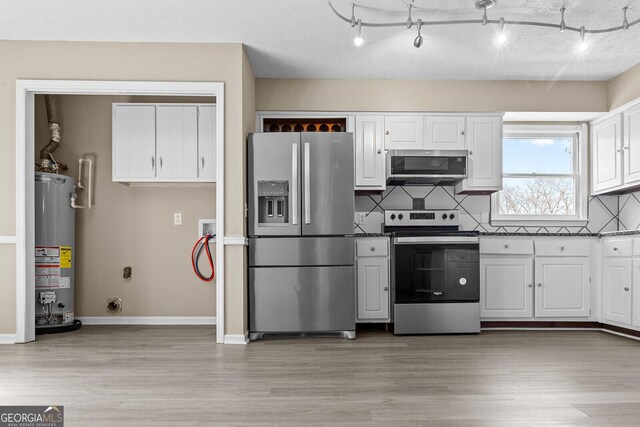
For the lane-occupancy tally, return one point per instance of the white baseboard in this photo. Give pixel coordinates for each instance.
(236, 339)
(8, 338)
(620, 334)
(147, 320)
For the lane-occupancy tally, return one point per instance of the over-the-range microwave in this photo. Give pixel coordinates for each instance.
(420, 167)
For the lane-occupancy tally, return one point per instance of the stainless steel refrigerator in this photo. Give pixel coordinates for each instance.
(301, 260)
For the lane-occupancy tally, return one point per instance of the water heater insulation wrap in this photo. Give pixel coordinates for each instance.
(54, 249)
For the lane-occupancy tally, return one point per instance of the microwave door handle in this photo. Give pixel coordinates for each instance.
(307, 185)
(294, 184)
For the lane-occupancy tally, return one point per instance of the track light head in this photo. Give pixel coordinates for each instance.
(417, 42)
(502, 38)
(409, 20)
(584, 46)
(359, 40)
(625, 22)
(563, 25)
(485, 4)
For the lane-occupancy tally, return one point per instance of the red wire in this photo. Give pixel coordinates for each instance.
(208, 251)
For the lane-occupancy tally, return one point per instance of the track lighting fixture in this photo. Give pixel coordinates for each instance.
(583, 44)
(502, 38)
(482, 5)
(358, 40)
(417, 42)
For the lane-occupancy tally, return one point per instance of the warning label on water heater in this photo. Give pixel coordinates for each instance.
(48, 268)
(65, 256)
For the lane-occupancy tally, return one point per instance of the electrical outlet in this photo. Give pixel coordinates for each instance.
(361, 218)
(177, 218)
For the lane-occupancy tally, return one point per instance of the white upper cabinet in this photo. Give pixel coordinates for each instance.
(606, 154)
(369, 153)
(164, 142)
(177, 141)
(207, 142)
(444, 133)
(403, 132)
(562, 287)
(484, 167)
(134, 142)
(631, 145)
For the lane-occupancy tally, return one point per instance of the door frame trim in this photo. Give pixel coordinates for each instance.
(25, 149)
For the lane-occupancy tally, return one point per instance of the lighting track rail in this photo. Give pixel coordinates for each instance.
(482, 5)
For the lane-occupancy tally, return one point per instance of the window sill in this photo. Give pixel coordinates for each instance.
(538, 222)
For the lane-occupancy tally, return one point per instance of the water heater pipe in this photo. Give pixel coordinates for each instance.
(82, 186)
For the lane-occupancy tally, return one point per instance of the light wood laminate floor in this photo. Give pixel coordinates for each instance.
(131, 375)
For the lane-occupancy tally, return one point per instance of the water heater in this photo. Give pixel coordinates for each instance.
(54, 251)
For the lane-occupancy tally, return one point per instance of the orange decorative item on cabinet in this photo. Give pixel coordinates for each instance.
(305, 125)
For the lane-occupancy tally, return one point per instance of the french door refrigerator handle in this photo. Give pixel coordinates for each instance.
(307, 185)
(294, 184)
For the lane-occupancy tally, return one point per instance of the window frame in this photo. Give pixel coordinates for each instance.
(579, 134)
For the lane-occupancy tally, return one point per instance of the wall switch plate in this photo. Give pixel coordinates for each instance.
(361, 218)
(177, 218)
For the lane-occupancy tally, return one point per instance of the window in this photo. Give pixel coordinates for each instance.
(543, 176)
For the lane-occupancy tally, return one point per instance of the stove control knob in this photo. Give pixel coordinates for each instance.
(452, 216)
(400, 216)
(393, 216)
(444, 216)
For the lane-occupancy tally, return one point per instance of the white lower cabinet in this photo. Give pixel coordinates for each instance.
(562, 287)
(636, 288)
(517, 281)
(616, 289)
(505, 286)
(373, 282)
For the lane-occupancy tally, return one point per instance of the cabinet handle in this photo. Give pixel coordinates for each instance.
(615, 249)
(626, 288)
(562, 248)
(379, 151)
(202, 162)
(506, 246)
(618, 151)
(153, 162)
(626, 148)
(386, 288)
(470, 153)
(462, 133)
(539, 285)
(373, 249)
(386, 132)
(530, 285)
(160, 162)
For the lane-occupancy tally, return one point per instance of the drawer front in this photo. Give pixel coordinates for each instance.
(506, 246)
(372, 247)
(553, 247)
(617, 247)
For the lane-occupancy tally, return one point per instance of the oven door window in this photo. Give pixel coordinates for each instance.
(436, 273)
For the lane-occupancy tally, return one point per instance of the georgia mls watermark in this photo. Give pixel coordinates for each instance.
(31, 416)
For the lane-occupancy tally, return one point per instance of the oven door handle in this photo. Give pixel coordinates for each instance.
(427, 240)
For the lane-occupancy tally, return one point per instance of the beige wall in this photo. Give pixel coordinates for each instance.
(129, 225)
(624, 88)
(123, 61)
(429, 95)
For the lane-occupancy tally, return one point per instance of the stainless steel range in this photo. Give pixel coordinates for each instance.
(435, 272)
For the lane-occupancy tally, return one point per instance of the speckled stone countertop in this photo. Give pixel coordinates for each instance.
(486, 234)
(620, 233)
(359, 235)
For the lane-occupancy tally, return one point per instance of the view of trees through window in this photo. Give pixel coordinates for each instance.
(539, 177)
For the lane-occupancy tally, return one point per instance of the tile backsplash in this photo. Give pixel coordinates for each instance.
(603, 211)
(629, 212)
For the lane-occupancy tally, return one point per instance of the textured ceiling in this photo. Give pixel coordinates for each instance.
(302, 38)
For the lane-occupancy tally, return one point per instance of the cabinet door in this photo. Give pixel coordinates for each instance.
(606, 151)
(616, 290)
(444, 133)
(134, 142)
(562, 287)
(177, 141)
(207, 142)
(636, 292)
(403, 132)
(370, 173)
(631, 145)
(484, 142)
(373, 288)
(506, 286)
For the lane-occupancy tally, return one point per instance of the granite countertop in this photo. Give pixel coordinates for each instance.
(487, 234)
(620, 233)
(359, 235)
